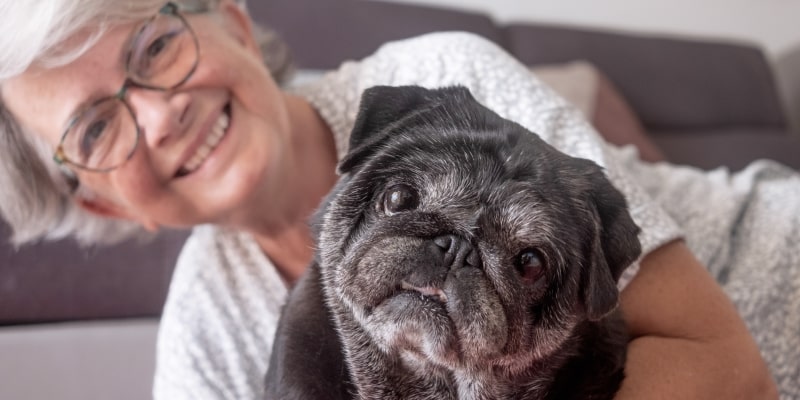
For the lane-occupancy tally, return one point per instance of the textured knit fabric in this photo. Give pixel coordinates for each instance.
(225, 297)
(746, 228)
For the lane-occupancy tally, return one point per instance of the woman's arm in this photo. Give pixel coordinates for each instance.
(688, 341)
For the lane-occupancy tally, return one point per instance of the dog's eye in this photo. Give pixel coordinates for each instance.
(530, 265)
(399, 198)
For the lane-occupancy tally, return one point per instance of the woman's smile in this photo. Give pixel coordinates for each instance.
(202, 148)
(207, 148)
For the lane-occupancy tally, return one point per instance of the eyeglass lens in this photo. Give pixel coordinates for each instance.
(103, 137)
(162, 56)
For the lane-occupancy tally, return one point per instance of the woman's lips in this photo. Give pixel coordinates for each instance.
(213, 139)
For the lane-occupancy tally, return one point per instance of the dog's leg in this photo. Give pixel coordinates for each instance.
(306, 361)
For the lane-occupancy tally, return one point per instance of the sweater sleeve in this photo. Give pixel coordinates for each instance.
(503, 85)
(219, 320)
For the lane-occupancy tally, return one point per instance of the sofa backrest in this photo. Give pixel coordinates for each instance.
(61, 281)
(323, 33)
(672, 83)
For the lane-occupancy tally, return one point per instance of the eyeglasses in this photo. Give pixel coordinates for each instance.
(162, 56)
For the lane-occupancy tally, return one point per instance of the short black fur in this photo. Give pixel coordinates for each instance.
(427, 302)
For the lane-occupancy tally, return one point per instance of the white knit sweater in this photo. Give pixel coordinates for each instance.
(225, 297)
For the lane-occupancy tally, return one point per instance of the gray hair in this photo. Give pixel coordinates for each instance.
(35, 198)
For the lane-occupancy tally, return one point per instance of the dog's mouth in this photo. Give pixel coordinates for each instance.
(430, 292)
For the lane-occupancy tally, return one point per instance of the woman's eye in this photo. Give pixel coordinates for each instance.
(156, 49)
(399, 198)
(157, 46)
(530, 265)
(155, 55)
(91, 135)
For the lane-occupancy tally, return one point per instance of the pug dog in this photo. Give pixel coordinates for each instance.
(459, 257)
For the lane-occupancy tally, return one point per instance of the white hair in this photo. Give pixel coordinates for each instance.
(36, 31)
(36, 199)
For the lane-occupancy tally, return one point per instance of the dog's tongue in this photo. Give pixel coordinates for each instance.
(426, 291)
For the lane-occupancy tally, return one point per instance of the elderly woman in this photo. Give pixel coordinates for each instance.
(118, 115)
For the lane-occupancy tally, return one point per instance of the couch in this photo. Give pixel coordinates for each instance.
(84, 320)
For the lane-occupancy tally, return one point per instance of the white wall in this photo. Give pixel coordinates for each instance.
(774, 25)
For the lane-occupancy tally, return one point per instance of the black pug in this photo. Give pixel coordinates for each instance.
(460, 257)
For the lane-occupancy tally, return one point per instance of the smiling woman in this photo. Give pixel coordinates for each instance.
(221, 148)
(41, 206)
(103, 135)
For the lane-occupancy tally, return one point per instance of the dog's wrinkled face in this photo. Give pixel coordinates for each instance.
(458, 239)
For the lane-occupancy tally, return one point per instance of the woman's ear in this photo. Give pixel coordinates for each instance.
(106, 209)
(237, 22)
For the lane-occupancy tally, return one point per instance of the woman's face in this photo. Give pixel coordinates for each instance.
(153, 186)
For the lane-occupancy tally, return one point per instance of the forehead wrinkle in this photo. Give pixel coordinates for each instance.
(452, 190)
(453, 166)
(521, 212)
(451, 194)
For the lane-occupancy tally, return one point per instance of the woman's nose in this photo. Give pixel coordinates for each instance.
(161, 116)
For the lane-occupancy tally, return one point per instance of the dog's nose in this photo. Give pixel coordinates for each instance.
(456, 251)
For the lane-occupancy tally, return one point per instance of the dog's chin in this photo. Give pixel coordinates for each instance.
(462, 325)
(411, 323)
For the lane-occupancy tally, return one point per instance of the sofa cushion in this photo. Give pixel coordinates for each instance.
(614, 118)
(575, 81)
(601, 103)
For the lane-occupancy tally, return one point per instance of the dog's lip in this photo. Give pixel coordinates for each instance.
(430, 291)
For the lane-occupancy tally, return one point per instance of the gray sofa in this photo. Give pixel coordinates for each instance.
(706, 103)
(703, 102)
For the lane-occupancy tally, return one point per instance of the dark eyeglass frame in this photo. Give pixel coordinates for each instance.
(61, 158)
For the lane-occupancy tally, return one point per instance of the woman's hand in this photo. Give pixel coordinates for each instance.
(687, 340)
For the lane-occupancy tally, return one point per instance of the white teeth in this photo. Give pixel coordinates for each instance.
(213, 139)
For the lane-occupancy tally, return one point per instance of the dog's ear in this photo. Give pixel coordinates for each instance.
(380, 108)
(613, 247)
(383, 108)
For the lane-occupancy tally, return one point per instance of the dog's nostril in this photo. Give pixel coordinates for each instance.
(472, 258)
(456, 252)
(445, 242)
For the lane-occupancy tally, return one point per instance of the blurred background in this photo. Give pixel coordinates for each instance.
(771, 24)
(708, 83)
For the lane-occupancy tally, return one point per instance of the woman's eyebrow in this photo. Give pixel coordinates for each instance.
(123, 56)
